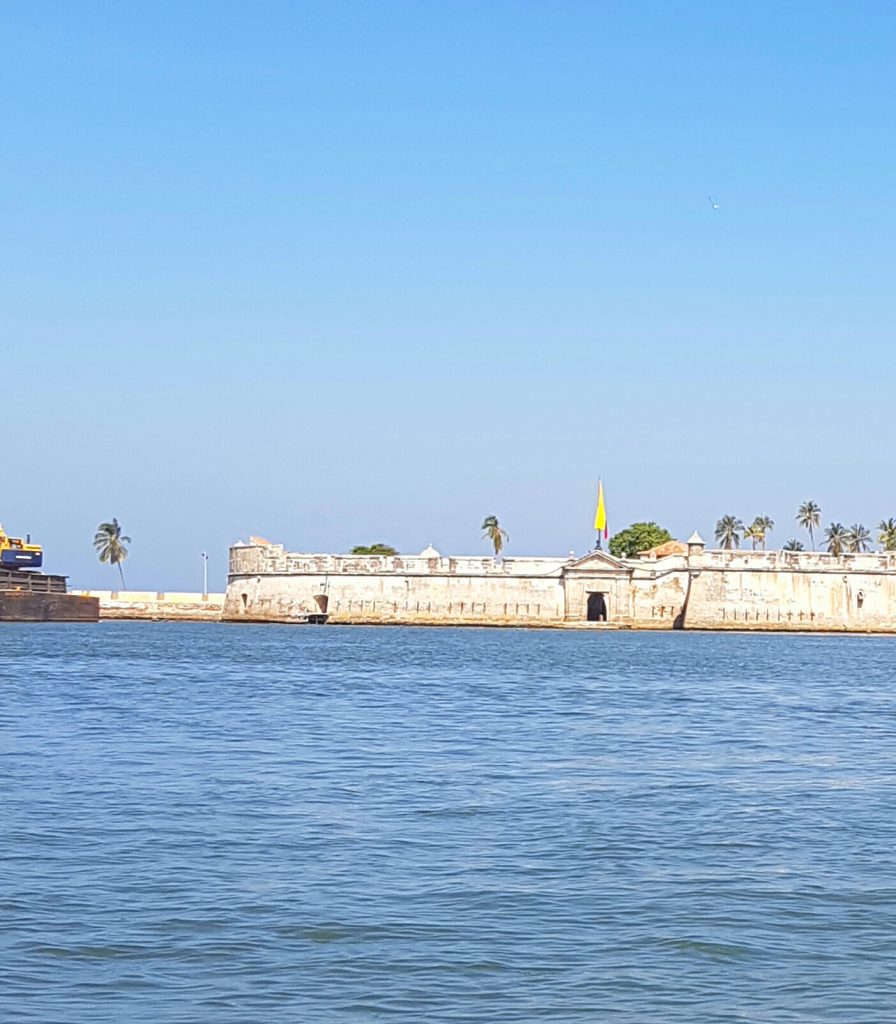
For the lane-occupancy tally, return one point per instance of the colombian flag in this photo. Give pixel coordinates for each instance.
(600, 518)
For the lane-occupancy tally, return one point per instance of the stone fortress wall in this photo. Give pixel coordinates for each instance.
(154, 606)
(690, 589)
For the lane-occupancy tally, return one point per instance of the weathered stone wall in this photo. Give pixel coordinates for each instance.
(736, 590)
(802, 591)
(268, 584)
(155, 606)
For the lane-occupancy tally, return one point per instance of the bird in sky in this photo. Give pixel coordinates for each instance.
(714, 205)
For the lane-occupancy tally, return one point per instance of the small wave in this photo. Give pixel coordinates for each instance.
(714, 950)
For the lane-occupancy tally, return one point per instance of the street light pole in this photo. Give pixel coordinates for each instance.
(204, 575)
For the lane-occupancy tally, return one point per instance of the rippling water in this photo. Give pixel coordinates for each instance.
(209, 823)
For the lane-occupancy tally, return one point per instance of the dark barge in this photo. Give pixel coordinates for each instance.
(27, 596)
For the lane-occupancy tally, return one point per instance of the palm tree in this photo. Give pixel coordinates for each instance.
(858, 538)
(110, 546)
(493, 531)
(793, 545)
(766, 524)
(808, 516)
(753, 533)
(887, 538)
(758, 529)
(728, 531)
(835, 535)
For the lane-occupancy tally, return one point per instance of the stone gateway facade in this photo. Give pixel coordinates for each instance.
(689, 588)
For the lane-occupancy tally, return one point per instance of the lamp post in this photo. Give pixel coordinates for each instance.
(204, 575)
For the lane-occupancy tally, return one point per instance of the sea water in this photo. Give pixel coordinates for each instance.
(231, 824)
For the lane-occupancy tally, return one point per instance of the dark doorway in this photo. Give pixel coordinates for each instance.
(597, 607)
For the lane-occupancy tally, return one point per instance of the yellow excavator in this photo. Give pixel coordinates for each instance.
(16, 553)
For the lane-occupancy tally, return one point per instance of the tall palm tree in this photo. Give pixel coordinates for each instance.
(793, 545)
(858, 538)
(110, 546)
(835, 535)
(887, 538)
(808, 516)
(728, 531)
(493, 531)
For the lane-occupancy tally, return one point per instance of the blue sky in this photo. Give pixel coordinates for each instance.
(342, 272)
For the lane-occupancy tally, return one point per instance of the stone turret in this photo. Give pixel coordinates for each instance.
(696, 547)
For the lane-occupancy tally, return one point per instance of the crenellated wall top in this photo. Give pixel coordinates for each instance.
(800, 561)
(274, 559)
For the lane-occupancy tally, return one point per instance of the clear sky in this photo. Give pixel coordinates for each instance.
(336, 273)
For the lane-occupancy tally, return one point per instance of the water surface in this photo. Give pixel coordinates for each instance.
(231, 824)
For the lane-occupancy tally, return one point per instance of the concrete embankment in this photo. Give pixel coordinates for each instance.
(157, 605)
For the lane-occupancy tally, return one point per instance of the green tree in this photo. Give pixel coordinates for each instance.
(766, 524)
(493, 531)
(793, 545)
(753, 534)
(728, 531)
(758, 530)
(110, 546)
(887, 536)
(374, 549)
(637, 538)
(808, 516)
(858, 538)
(835, 535)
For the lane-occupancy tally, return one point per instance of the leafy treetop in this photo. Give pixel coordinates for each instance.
(887, 538)
(637, 538)
(374, 549)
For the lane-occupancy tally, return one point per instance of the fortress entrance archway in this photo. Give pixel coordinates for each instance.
(597, 606)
